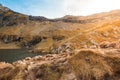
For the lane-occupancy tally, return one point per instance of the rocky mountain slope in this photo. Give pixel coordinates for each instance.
(52, 35)
(10, 18)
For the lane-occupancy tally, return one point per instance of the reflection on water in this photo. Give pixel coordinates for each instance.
(11, 55)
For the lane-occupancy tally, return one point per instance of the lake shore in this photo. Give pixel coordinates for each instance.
(8, 46)
(85, 64)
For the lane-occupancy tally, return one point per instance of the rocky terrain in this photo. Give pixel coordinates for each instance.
(78, 47)
(41, 34)
(84, 64)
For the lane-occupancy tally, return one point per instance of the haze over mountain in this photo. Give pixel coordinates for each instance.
(55, 8)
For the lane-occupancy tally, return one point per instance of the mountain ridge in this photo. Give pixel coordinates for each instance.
(36, 31)
(68, 18)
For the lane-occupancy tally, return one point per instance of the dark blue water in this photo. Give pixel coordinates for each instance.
(11, 55)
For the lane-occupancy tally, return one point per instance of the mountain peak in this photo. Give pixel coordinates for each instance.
(3, 8)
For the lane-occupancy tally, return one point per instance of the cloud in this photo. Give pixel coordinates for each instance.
(73, 6)
(87, 7)
(59, 8)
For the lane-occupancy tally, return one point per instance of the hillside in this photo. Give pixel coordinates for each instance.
(48, 35)
(10, 18)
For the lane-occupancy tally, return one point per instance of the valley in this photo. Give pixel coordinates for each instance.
(69, 48)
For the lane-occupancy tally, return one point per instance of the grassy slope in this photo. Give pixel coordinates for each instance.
(8, 46)
(101, 27)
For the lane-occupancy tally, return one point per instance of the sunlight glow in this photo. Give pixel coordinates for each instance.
(59, 8)
(87, 7)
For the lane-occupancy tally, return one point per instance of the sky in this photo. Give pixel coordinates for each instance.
(60, 8)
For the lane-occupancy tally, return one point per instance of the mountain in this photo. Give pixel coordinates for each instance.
(2, 8)
(48, 35)
(10, 18)
(74, 47)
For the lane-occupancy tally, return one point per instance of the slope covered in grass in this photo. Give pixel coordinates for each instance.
(86, 64)
(78, 31)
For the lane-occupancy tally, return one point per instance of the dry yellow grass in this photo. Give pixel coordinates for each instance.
(8, 46)
(90, 65)
(99, 28)
(78, 34)
(43, 46)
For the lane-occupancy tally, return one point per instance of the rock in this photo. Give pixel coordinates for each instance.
(104, 44)
(93, 47)
(61, 60)
(28, 58)
(70, 76)
(114, 45)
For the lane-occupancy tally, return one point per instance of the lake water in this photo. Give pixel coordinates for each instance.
(11, 55)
